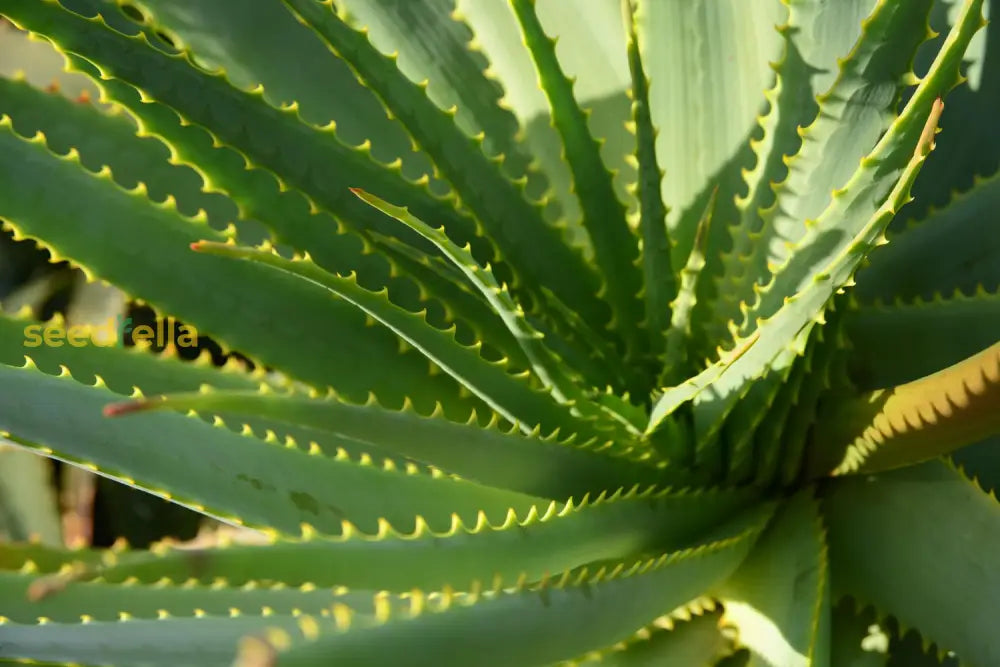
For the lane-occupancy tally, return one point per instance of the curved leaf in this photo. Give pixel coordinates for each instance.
(237, 478)
(934, 569)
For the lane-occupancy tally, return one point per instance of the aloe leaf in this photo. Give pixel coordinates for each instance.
(544, 542)
(851, 117)
(260, 316)
(208, 641)
(899, 342)
(537, 624)
(294, 221)
(36, 557)
(108, 139)
(697, 641)
(137, 371)
(498, 203)
(790, 104)
(305, 156)
(532, 464)
(956, 247)
(29, 597)
(238, 478)
(511, 397)
(704, 101)
(779, 598)
(556, 376)
(660, 283)
(594, 57)
(856, 639)
(121, 368)
(969, 148)
(913, 422)
(615, 248)
(824, 377)
(836, 243)
(936, 533)
(251, 45)
(677, 360)
(434, 43)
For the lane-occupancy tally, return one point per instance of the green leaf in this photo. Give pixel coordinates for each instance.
(920, 420)
(835, 245)
(934, 568)
(294, 221)
(694, 642)
(29, 597)
(615, 248)
(659, 281)
(779, 598)
(591, 50)
(260, 316)
(678, 336)
(208, 642)
(851, 117)
(304, 156)
(538, 624)
(498, 203)
(434, 43)
(970, 149)
(856, 639)
(43, 558)
(902, 341)
(528, 463)
(704, 97)
(556, 376)
(237, 478)
(109, 139)
(254, 45)
(956, 248)
(791, 104)
(510, 396)
(530, 547)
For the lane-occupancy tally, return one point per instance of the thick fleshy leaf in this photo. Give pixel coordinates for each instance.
(252, 45)
(616, 250)
(970, 148)
(238, 478)
(310, 158)
(591, 50)
(28, 597)
(209, 641)
(258, 316)
(538, 624)
(956, 247)
(499, 204)
(704, 97)
(510, 396)
(495, 456)
(902, 341)
(920, 420)
(698, 641)
(779, 598)
(659, 281)
(542, 543)
(934, 568)
(833, 248)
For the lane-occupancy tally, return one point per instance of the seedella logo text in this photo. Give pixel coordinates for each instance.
(112, 333)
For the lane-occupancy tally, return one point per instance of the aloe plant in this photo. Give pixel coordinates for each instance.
(611, 369)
